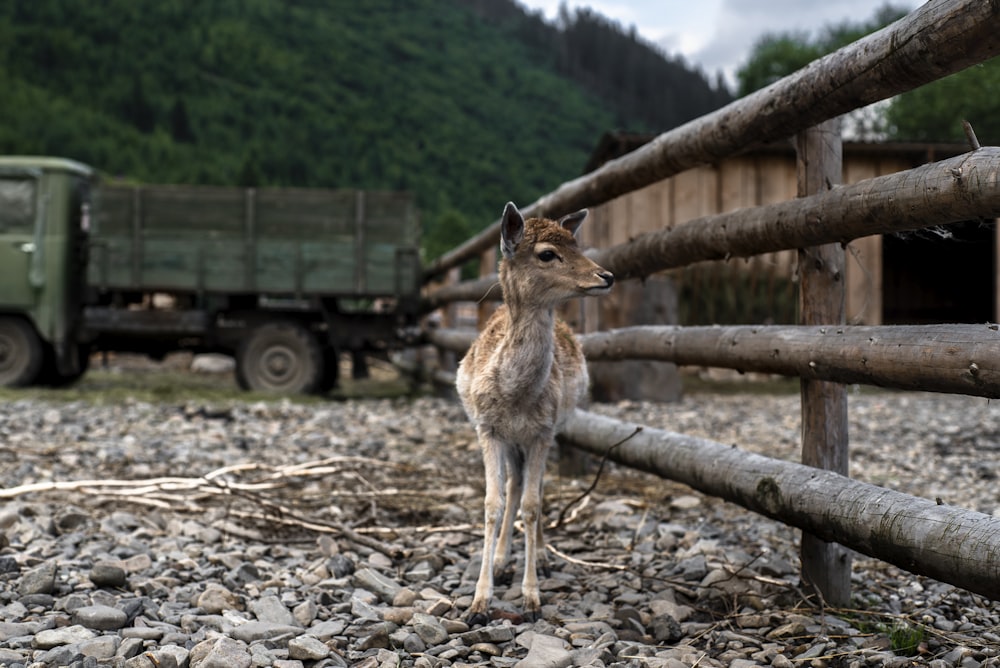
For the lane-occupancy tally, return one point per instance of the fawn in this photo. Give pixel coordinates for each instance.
(524, 373)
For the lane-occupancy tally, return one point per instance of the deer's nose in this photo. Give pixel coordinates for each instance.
(609, 278)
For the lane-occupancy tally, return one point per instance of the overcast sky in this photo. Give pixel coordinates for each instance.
(718, 34)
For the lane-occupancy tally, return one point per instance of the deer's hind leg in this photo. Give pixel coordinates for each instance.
(515, 489)
(531, 511)
(541, 555)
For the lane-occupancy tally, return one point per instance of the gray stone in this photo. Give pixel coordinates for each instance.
(38, 580)
(429, 629)
(129, 647)
(304, 613)
(179, 654)
(743, 663)
(546, 652)
(64, 655)
(100, 617)
(781, 661)
(104, 574)
(383, 587)
(9, 657)
(377, 638)
(65, 635)
(493, 634)
(307, 648)
(413, 644)
(252, 631)
(327, 629)
(101, 647)
(223, 653)
(665, 629)
(10, 630)
(212, 363)
(271, 609)
(362, 609)
(217, 599)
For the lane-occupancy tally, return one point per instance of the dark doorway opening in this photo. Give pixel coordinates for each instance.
(940, 275)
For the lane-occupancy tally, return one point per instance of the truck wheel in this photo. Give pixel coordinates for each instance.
(280, 357)
(21, 353)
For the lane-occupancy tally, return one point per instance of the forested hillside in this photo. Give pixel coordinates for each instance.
(466, 103)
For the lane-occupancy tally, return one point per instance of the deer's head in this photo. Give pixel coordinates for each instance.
(542, 263)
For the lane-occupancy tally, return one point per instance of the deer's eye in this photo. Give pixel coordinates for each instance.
(547, 256)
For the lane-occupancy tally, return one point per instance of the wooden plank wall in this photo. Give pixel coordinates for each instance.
(747, 180)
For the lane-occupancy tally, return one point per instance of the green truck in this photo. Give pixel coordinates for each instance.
(284, 280)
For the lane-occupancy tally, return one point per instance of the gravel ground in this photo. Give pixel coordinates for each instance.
(348, 534)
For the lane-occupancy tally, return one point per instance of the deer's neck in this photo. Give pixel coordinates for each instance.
(529, 343)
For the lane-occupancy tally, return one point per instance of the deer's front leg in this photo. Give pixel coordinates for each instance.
(493, 465)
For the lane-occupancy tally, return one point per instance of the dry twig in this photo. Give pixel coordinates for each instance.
(222, 486)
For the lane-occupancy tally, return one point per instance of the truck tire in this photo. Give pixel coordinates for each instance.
(21, 354)
(280, 357)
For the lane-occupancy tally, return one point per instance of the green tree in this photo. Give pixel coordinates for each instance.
(249, 176)
(776, 55)
(773, 57)
(464, 103)
(138, 109)
(180, 124)
(935, 112)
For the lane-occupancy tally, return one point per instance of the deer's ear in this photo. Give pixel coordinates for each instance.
(511, 230)
(573, 221)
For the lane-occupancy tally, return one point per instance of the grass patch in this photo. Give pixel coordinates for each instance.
(905, 637)
(170, 384)
(694, 384)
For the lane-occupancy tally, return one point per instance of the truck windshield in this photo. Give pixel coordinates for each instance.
(17, 205)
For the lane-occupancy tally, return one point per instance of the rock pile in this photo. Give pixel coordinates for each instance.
(347, 534)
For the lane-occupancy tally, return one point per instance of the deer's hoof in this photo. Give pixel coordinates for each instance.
(477, 619)
(505, 577)
(532, 616)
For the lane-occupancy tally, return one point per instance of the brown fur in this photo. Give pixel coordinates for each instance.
(521, 377)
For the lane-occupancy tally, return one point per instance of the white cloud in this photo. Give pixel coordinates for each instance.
(718, 34)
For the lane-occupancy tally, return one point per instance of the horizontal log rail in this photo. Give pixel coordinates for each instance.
(961, 547)
(957, 359)
(943, 36)
(965, 187)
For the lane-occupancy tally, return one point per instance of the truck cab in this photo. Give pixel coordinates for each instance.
(44, 218)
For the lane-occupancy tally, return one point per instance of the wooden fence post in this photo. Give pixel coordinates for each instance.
(825, 566)
(487, 267)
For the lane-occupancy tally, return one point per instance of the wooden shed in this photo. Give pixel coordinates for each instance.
(947, 275)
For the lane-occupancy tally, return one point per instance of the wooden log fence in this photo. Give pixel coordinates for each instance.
(953, 545)
(966, 187)
(944, 542)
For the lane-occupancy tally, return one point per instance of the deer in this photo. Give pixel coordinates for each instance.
(522, 376)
